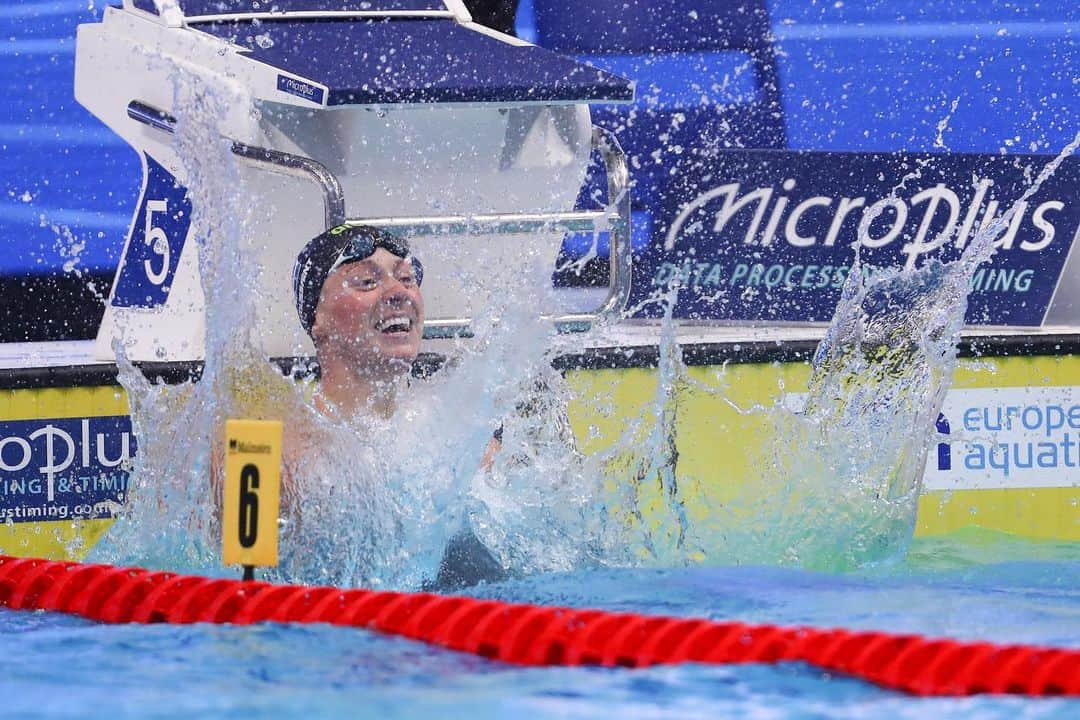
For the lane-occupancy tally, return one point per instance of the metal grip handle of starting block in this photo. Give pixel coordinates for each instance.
(272, 160)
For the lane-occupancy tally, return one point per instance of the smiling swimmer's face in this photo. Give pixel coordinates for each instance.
(371, 313)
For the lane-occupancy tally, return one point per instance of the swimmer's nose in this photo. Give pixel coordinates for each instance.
(396, 293)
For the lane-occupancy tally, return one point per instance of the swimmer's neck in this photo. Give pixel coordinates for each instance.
(353, 392)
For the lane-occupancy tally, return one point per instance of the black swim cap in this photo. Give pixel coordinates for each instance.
(336, 247)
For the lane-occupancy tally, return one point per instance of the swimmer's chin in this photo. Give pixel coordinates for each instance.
(385, 368)
(402, 364)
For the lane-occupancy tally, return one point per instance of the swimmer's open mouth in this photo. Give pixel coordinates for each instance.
(395, 325)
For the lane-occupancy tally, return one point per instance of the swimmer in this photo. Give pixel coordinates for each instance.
(357, 291)
(358, 296)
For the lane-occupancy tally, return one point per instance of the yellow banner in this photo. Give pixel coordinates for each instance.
(249, 526)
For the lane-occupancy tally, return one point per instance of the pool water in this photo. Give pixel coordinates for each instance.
(967, 586)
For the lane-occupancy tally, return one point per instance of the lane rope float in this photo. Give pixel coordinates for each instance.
(539, 635)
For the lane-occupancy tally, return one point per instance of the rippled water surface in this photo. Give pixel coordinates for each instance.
(969, 587)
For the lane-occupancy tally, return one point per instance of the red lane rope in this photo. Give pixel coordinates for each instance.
(538, 635)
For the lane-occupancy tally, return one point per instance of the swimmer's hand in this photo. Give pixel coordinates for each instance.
(493, 447)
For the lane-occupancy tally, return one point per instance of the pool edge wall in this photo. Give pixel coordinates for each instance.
(610, 388)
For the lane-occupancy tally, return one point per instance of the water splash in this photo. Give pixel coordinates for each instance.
(366, 501)
(837, 484)
(647, 521)
(170, 519)
(878, 384)
(374, 502)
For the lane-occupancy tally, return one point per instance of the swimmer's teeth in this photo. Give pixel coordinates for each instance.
(396, 324)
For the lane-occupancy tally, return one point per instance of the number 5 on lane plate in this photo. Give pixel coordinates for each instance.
(249, 524)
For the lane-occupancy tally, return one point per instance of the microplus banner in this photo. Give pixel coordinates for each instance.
(767, 235)
(64, 468)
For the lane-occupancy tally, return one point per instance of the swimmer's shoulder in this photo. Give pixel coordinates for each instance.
(466, 562)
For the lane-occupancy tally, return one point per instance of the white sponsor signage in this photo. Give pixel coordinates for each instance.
(1019, 437)
(989, 438)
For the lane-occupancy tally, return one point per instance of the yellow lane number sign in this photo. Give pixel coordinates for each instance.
(249, 522)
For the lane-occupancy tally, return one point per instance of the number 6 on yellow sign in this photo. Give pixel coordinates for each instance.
(252, 490)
